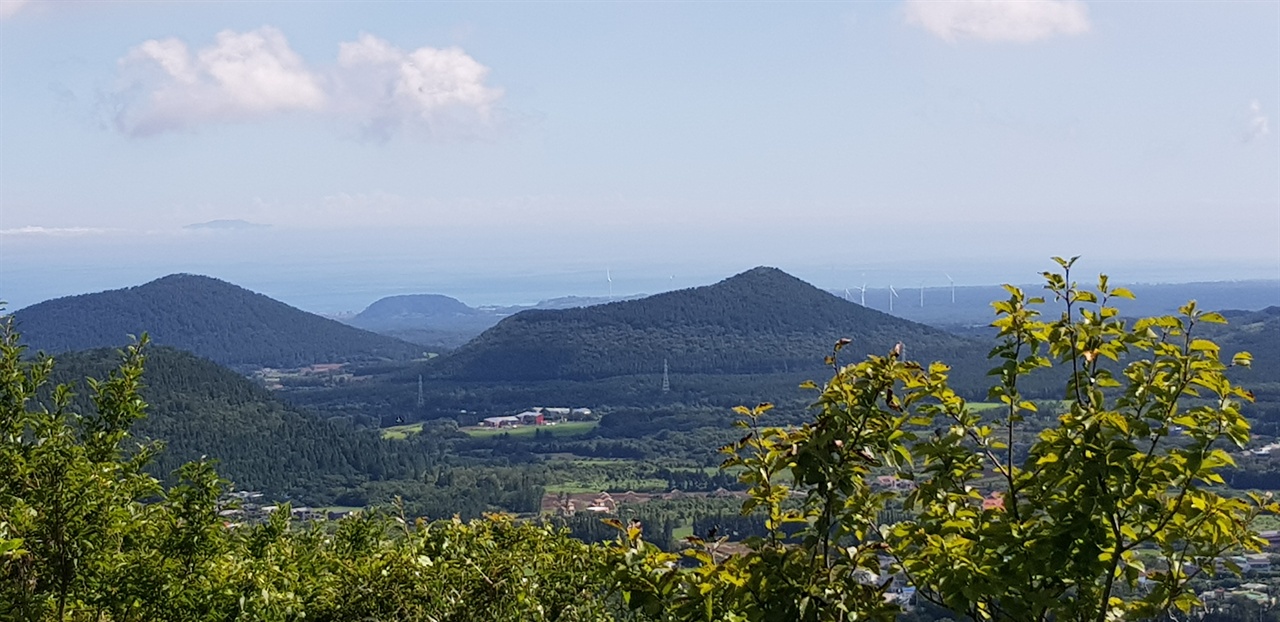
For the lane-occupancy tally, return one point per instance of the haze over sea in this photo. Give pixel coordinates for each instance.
(329, 272)
(509, 152)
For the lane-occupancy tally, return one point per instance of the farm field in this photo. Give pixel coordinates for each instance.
(401, 432)
(568, 428)
(577, 486)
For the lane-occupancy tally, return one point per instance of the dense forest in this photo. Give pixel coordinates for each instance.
(200, 410)
(762, 321)
(1112, 511)
(212, 318)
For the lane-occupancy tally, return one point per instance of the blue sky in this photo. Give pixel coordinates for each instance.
(507, 151)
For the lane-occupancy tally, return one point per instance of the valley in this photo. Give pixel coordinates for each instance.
(563, 417)
(323, 414)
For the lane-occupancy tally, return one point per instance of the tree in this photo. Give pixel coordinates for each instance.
(1129, 466)
(66, 486)
(86, 534)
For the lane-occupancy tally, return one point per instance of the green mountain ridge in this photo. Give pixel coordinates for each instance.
(209, 317)
(1258, 333)
(201, 409)
(444, 322)
(760, 321)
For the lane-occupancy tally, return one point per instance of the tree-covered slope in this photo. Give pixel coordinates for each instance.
(760, 321)
(198, 408)
(1258, 333)
(212, 318)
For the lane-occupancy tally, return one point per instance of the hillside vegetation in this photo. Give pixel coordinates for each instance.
(1108, 513)
(200, 409)
(760, 321)
(206, 316)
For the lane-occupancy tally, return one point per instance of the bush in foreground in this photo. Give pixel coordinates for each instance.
(1131, 465)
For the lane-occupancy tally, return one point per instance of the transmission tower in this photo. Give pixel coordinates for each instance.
(666, 377)
(421, 401)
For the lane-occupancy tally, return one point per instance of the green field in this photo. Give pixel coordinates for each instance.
(568, 428)
(340, 508)
(576, 486)
(680, 533)
(401, 432)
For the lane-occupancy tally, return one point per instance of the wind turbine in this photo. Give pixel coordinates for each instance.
(953, 287)
(609, 277)
(893, 293)
(847, 295)
(922, 294)
(864, 294)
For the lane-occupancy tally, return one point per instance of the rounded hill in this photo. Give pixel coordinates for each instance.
(409, 307)
(760, 321)
(212, 318)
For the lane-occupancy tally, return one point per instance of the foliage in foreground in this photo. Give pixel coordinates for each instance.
(1130, 466)
(86, 534)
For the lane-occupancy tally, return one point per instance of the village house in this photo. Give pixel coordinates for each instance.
(531, 417)
(538, 415)
(891, 482)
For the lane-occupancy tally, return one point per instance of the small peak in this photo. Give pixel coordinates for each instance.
(183, 278)
(759, 272)
(763, 271)
(762, 275)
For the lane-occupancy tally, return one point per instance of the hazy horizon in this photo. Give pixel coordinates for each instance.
(507, 152)
(332, 278)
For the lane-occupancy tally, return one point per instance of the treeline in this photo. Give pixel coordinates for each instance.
(206, 316)
(200, 410)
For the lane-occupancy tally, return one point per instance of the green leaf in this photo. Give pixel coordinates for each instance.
(1213, 317)
(1203, 345)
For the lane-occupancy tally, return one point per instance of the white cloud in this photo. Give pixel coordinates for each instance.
(10, 7)
(1017, 21)
(440, 90)
(255, 74)
(241, 76)
(1259, 124)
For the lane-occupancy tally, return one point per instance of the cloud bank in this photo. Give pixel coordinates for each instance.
(245, 76)
(1011, 21)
